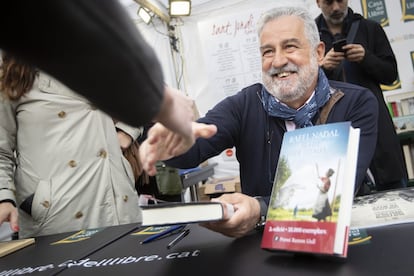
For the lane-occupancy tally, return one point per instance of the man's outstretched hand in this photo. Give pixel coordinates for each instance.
(163, 144)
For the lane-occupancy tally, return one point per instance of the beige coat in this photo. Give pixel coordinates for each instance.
(67, 156)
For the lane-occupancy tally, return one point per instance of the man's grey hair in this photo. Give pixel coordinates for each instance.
(311, 30)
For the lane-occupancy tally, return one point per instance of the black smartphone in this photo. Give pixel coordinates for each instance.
(337, 45)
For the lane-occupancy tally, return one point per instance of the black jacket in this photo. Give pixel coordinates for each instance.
(91, 46)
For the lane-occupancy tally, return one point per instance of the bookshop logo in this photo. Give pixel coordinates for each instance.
(407, 9)
(395, 85)
(91, 263)
(79, 236)
(412, 58)
(375, 10)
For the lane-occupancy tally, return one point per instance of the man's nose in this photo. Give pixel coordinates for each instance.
(335, 6)
(279, 59)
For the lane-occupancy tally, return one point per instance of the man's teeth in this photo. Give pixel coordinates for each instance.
(283, 74)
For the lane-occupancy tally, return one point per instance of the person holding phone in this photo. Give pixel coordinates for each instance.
(358, 51)
(339, 44)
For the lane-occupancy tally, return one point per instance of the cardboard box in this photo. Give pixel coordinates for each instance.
(216, 187)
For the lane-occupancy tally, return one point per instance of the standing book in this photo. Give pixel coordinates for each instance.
(311, 201)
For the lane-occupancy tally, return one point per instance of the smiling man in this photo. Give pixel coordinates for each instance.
(292, 95)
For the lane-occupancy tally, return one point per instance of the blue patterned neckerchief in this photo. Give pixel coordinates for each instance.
(304, 115)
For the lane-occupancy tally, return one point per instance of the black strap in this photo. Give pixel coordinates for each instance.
(349, 40)
(352, 32)
(323, 115)
(263, 212)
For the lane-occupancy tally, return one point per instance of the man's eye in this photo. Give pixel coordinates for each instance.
(291, 47)
(267, 53)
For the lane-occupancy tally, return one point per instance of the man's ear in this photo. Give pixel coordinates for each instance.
(320, 51)
(317, 3)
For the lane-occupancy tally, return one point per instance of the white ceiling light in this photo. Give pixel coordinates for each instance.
(180, 7)
(156, 7)
(145, 15)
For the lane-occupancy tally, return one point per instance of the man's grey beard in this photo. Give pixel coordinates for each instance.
(289, 91)
(334, 21)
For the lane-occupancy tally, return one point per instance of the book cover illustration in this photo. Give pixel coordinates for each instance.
(311, 201)
(383, 208)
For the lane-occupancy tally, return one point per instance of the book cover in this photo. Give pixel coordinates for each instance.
(383, 208)
(311, 201)
(8, 247)
(185, 212)
(408, 157)
(404, 123)
(407, 106)
(396, 109)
